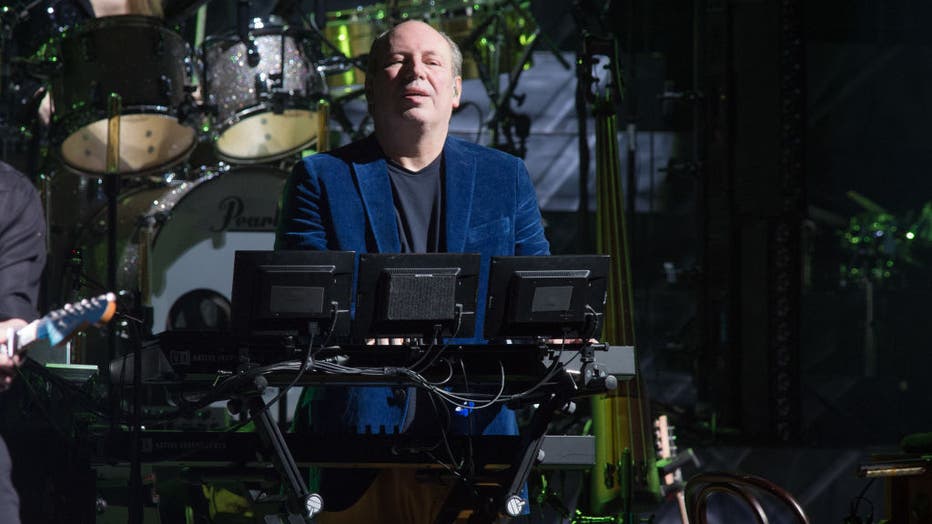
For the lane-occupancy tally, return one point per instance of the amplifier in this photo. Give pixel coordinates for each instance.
(197, 352)
(207, 352)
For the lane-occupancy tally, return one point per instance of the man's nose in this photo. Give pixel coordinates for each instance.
(417, 69)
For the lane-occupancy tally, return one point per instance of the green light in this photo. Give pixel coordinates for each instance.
(910, 235)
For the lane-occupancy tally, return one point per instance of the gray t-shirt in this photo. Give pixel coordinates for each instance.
(418, 198)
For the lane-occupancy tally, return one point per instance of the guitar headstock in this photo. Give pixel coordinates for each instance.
(666, 448)
(665, 441)
(59, 325)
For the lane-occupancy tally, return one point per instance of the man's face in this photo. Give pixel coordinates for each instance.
(414, 79)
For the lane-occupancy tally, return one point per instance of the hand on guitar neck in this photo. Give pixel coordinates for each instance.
(55, 328)
(8, 364)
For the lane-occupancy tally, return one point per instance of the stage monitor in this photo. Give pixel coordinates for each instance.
(292, 292)
(559, 296)
(423, 295)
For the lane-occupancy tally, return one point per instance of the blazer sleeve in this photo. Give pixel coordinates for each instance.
(529, 228)
(22, 250)
(301, 224)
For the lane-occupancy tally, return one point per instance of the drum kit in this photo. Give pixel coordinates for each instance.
(134, 104)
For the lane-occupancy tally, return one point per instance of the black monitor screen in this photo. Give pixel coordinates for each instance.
(292, 291)
(546, 296)
(416, 295)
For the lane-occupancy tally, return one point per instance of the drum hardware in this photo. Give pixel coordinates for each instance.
(349, 36)
(334, 65)
(112, 188)
(504, 123)
(243, 27)
(323, 132)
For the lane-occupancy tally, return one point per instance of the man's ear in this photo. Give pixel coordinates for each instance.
(457, 89)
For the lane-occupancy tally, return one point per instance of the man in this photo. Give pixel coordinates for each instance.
(407, 188)
(22, 257)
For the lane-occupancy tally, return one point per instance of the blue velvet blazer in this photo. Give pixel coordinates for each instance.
(342, 200)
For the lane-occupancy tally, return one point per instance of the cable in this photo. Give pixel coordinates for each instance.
(307, 363)
(449, 375)
(464, 105)
(853, 516)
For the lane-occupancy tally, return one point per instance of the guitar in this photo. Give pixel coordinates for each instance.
(669, 462)
(59, 325)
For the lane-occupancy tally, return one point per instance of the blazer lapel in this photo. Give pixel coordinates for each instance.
(376, 191)
(459, 179)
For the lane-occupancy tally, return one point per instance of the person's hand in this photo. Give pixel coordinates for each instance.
(569, 341)
(386, 341)
(7, 364)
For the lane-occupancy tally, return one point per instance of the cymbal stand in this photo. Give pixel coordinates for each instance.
(112, 190)
(503, 119)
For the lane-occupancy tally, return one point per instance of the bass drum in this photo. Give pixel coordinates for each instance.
(196, 229)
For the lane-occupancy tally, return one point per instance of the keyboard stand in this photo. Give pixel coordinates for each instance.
(300, 500)
(503, 498)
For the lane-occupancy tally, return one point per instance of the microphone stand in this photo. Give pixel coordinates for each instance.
(242, 29)
(112, 190)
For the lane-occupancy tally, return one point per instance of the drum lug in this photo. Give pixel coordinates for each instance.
(159, 48)
(189, 69)
(189, 111)
(260, 85)
(165, 83)
(95, 93)
(252, 52)
(87, 49)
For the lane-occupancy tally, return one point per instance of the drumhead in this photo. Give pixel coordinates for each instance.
(194, 249)
(148, 143)
(265, 136)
